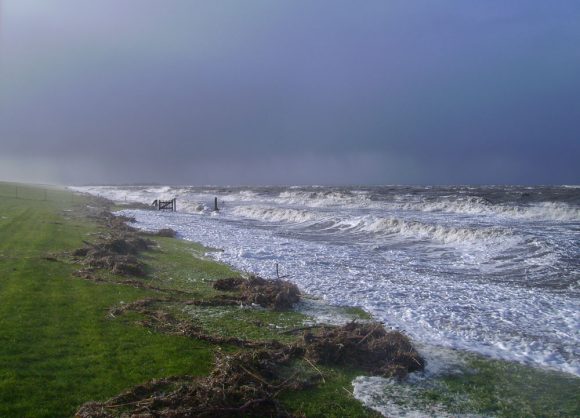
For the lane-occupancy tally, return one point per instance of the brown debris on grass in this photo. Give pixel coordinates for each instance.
(366, 346)
(50, 258)
(229, 284)
(247, 383)
(127, 265)
(117, 253)
(278, 295)
(244, 384)
(165, 232)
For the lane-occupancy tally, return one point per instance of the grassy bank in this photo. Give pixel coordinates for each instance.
(59, 347)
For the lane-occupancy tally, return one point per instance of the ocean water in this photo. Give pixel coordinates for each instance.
(492, 270)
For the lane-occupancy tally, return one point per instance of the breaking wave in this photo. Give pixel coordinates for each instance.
(269, 214)
(319, 198)
(555, 211)
(371, 225)
(439, 233)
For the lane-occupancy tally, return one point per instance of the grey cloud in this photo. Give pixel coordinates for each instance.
(296, 92)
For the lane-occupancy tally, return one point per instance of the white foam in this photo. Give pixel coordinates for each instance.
(376, 225)
(553, 211)
(272, 214)
(322, 198)
(395, 399)
(493, 319)
(441, 233)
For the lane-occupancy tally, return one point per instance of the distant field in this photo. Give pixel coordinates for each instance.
(36, 192)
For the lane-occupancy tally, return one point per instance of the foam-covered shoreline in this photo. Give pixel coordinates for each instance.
(507, 322)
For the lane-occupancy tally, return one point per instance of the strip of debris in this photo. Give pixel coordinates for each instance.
(244, 384)
(159, 320)
(118, 251)
(247, 384)
(366, 346)
(279, 295)
(164, 232)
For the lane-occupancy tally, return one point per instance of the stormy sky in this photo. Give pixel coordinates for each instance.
(290, 92)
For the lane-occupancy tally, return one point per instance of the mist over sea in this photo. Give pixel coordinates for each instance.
(491, 269)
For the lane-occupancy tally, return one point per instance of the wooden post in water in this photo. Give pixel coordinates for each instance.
(215, 205)
(174, 204)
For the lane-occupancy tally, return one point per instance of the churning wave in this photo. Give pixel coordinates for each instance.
(271, 214)
(320, 198)
(554, 211)
(371, 224)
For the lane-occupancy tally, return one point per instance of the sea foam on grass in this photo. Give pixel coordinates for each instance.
(246, 383)
(458, 383)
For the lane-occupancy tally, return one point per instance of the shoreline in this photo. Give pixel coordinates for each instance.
(462, 364)
(484, 351)
(452, 366)
(482, 292)
(179, 263)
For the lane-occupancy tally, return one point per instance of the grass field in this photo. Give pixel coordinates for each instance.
(59, 347)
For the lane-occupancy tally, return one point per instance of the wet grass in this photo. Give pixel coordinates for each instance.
(506, 389)
(335, 394)
(480, 386)
(246, 323)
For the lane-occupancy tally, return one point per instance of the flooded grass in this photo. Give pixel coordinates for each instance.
(476, 386)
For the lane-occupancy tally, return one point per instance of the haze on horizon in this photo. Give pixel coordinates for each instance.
(290, 92)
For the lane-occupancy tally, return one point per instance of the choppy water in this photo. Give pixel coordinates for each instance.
(493, 270)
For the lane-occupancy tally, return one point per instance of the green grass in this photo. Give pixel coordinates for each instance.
(246, 323)
(333, 399)
(507, 389)
(481, 386)
(58, 348)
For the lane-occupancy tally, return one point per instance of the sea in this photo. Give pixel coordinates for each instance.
(492, 270)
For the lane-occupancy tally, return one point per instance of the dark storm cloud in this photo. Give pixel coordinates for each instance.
(290, 92)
